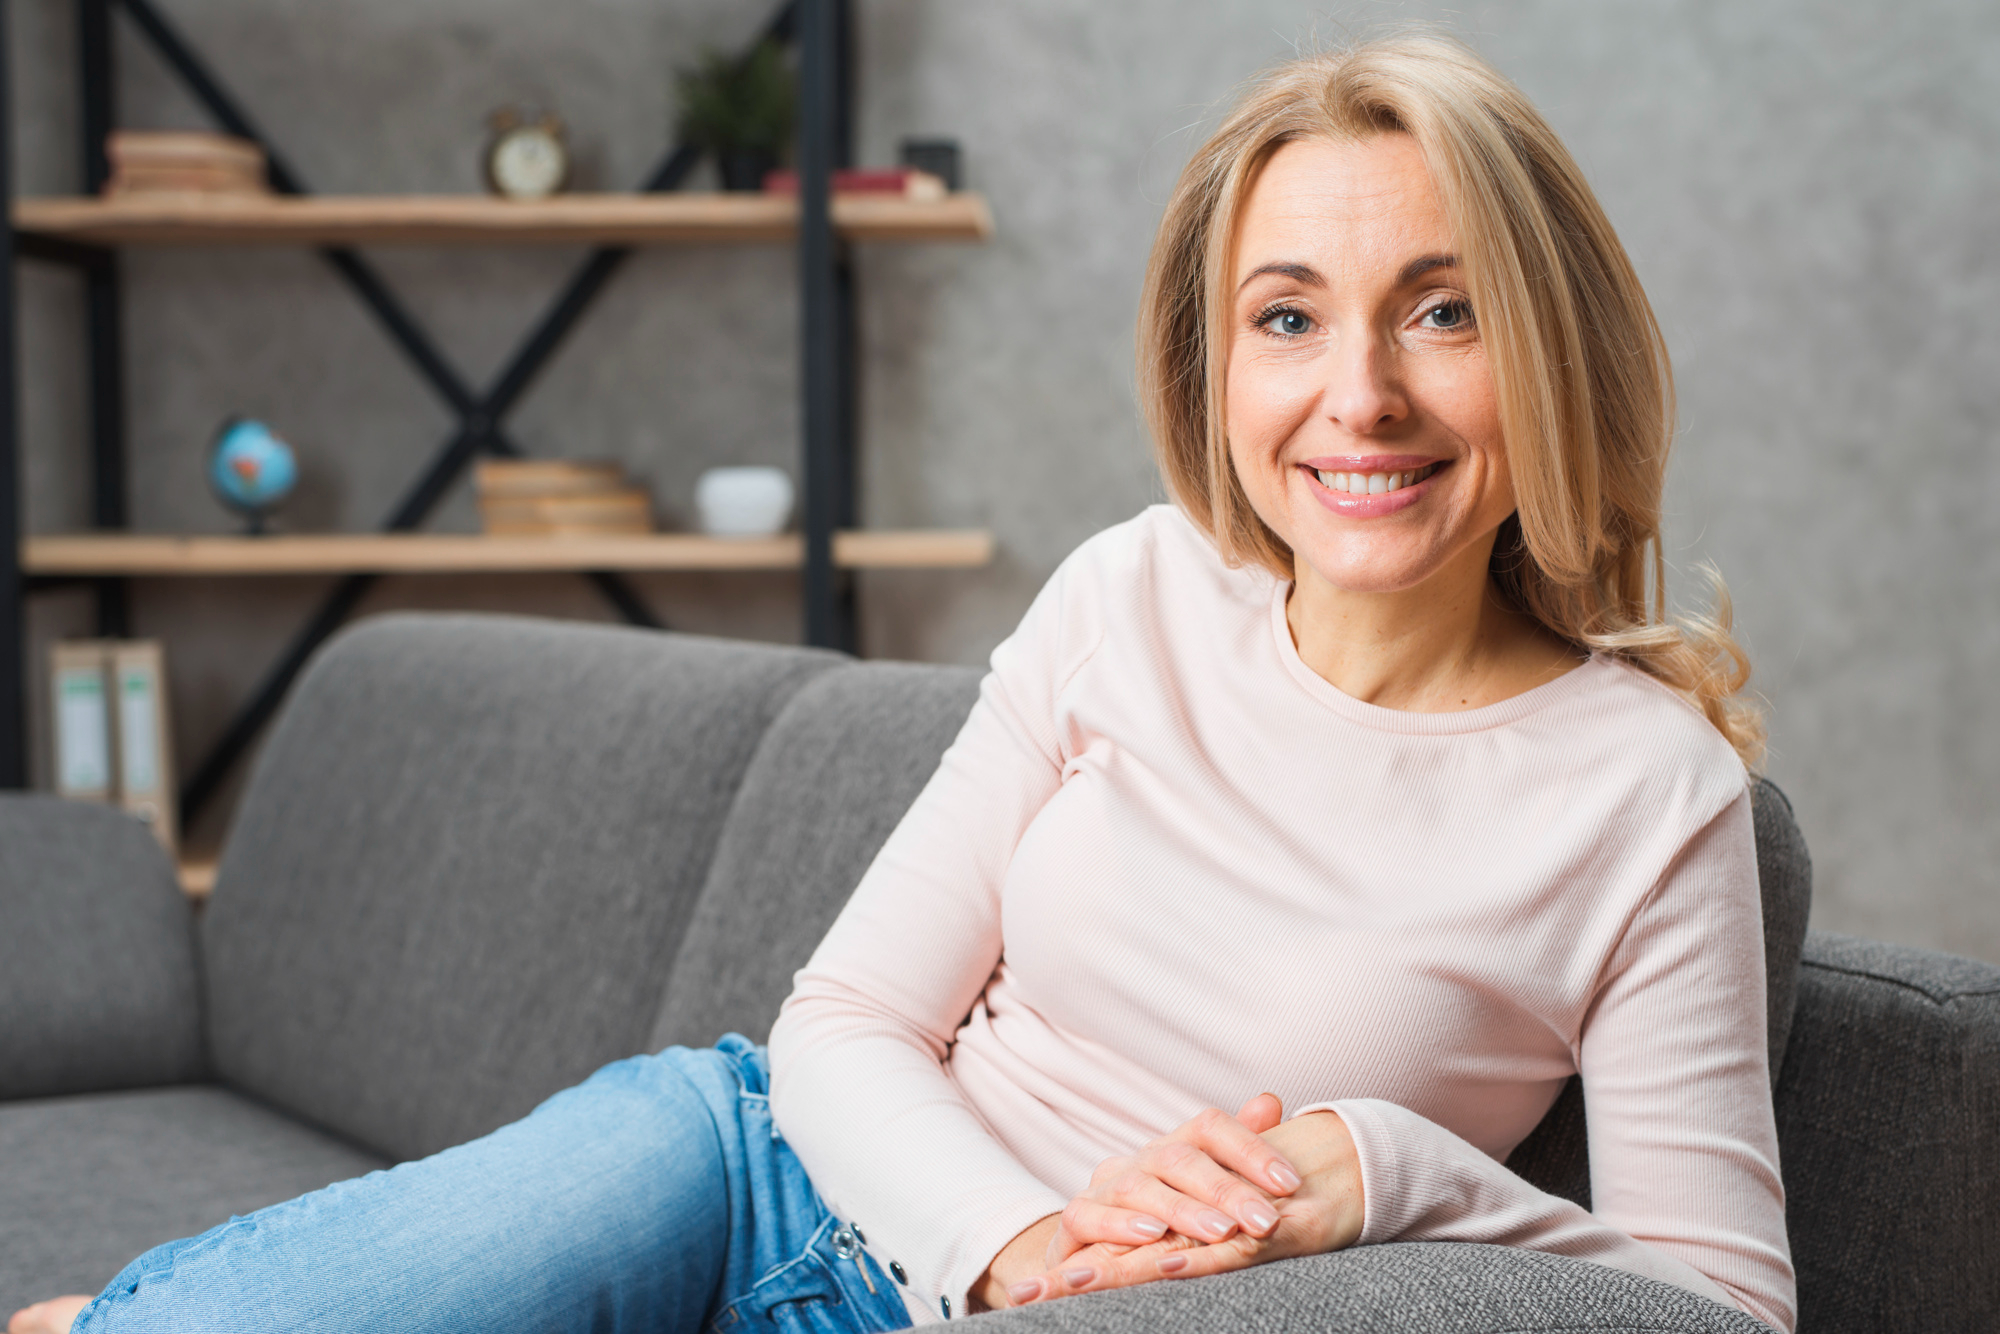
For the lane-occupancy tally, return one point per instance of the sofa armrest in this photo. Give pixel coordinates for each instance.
(1400, 1288)
(1889, 1135)
(98, 981)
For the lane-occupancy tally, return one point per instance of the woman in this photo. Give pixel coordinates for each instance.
(1366, 789)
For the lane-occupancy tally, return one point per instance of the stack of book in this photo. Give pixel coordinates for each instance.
(111, 734)
(151, 162)
(559, 498)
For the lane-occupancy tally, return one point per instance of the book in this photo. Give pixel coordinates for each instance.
(904, 181)
(628, 510)
(145, 758)
(183, 162)
(82, 720)
(181, 148)
(559, 498)
(519, 478)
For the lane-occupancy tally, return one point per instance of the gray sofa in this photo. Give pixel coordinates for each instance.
(479, 857)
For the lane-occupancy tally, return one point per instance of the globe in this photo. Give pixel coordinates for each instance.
(251, 469)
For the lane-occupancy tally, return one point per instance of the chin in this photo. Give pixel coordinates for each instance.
(1368, 567)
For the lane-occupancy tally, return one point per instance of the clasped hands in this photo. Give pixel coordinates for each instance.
(1221, 1192)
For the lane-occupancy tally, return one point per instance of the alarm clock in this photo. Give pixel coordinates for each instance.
(526, 157)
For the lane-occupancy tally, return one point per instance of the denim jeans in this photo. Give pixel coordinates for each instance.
(655, 1196)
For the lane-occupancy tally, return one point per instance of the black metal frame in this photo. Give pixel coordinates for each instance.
(822, 31)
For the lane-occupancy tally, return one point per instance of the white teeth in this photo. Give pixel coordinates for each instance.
(1372, 483)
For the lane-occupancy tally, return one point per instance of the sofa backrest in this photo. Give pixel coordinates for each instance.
(829, 782)
(98, 977)
(467, 850)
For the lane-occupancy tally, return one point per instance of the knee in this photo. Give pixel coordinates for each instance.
(635, 1142)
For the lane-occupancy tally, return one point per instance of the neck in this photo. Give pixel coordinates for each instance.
(1445, 644)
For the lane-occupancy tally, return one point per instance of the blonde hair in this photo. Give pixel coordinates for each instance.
(1580, 371)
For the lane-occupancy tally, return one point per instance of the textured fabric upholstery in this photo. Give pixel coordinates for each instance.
(1555, 1156)
(1417, 1288)
(1889, 1131)
(98, 984)
(833, 776)
(467, 852)
(88, 1183)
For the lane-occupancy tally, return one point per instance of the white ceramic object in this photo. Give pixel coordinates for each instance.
(743, 502)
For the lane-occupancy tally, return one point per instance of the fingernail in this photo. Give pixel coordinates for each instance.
(1259, 1216)
(1078, 1278)
(1215, 1225)
(1283, 1177)
(1172, 1264)
(1025, 1291)
(1149, 1227)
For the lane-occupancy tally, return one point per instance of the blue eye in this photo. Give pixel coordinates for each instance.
(1286, 323)
(1449, 315)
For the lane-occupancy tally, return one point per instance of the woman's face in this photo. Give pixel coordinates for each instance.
(1359, 407)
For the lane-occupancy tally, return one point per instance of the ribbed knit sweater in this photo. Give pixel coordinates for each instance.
(1165, 866)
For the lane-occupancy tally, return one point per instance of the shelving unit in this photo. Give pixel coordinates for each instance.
(87, 233)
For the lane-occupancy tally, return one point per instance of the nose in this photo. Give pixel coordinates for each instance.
(1362, 392)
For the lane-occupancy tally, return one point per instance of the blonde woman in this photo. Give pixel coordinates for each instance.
(1366, 792)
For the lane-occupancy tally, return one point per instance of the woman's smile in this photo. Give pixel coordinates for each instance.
(1363, 488)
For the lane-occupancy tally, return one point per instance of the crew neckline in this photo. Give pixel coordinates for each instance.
(1451, 723)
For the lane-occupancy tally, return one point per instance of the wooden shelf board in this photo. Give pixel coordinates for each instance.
(581, 219)
(197, 876)
(147, 555)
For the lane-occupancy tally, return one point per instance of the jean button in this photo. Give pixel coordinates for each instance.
(896, 1272)
(844, 1244)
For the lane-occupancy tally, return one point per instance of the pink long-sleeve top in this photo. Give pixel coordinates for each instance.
(1165, 866)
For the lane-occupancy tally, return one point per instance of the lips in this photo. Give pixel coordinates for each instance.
(1367, 487)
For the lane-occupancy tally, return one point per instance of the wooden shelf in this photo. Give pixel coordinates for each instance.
(147, 555)
(197, 877)
(582, 219)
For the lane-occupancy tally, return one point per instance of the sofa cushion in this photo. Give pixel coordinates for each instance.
(98, 984)
(467, 851)
(92, 1182)
(830, 780)
(1555, 1156)
(1406, 1288)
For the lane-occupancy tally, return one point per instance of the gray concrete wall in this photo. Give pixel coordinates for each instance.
(1807, 188)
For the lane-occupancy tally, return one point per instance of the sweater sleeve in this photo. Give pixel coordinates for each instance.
(858, 1084)
(1683, 1140)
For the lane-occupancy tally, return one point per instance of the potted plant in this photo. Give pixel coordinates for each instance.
(740, 109)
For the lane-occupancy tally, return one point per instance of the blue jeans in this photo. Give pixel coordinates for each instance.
(654, 1196)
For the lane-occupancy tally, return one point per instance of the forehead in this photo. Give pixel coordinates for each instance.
(1348, 206)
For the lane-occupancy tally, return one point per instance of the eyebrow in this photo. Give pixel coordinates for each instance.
(1423, 264)
(1310, 276)
(1304, 273)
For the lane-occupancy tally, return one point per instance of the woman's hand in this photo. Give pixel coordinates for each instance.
(1234, 1197)
(1130, 1203)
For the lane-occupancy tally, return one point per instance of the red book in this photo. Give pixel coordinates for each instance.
(864, 181)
